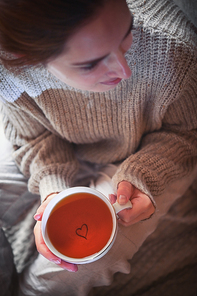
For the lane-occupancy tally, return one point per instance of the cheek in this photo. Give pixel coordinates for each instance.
(127, 43)
(89, 79)
(97, 74)
(84, 82)
(76, 78)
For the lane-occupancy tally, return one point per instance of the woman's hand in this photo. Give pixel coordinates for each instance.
(142, 209)
(40, 244)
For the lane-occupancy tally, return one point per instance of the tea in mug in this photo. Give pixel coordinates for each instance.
(80, 225)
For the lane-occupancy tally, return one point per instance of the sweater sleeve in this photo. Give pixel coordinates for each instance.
(169, 153)
(41, 155)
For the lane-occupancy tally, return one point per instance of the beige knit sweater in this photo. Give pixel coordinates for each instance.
(147, 122)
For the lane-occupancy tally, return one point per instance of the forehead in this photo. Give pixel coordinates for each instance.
(101, 34)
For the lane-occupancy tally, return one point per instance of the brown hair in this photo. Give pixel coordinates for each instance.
(35, 31)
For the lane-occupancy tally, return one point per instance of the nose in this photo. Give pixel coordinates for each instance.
(118, 66)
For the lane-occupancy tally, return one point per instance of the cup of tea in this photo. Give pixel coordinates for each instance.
(79, 224)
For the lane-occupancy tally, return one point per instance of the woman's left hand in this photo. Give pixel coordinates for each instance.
(142, 206)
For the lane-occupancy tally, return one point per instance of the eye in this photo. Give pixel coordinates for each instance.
(89, 67)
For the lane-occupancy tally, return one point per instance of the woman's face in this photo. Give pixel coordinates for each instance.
(94, 58)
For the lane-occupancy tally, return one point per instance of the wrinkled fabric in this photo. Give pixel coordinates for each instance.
(17, 207)
(45, 278)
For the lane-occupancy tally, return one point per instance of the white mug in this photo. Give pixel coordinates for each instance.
(80, 234)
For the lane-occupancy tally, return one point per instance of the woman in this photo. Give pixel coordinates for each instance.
(80, 90)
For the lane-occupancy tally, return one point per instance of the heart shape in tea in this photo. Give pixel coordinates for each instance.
(80, 225)
(83, 231)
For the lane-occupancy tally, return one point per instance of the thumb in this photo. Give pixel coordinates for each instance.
(124, 192)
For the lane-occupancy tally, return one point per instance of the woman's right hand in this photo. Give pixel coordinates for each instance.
(40, 244)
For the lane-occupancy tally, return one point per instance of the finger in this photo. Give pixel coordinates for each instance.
(126, 215)
(42, 207)
(44, 251)
(112, 198)
(140, 218)
(41, 246)
(142, 205)
(69, 266)
(124, 192)
(142, 209)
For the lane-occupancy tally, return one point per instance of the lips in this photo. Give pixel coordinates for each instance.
(112, 81)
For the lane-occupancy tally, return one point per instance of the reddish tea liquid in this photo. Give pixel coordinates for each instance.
(80, 225)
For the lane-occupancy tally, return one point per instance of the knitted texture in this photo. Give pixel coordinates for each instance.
(148, 122)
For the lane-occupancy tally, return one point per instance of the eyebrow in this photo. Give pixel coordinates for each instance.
(95, 61)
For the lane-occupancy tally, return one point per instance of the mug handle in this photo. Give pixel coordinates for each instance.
(119, 207)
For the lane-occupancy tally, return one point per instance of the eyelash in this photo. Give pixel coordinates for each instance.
(89, 66)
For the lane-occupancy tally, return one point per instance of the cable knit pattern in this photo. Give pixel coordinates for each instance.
(148, 122)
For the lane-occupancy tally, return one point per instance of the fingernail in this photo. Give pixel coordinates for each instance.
(56, 261)
(74, 269)
(122, 199)
(37, 217)
(110, 197)
(70, 270)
